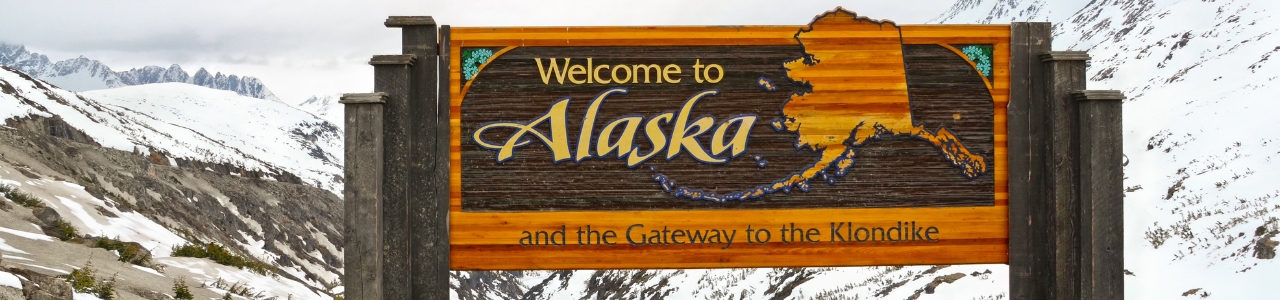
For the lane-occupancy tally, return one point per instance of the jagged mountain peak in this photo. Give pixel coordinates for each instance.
(85, 74)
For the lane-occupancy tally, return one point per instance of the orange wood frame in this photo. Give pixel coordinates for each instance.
(489, 240)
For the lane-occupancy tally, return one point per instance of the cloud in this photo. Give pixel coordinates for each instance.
(289, 44)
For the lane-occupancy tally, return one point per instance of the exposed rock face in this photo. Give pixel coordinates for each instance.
(1265, 247)
(82, 74)
(134, 252)
(10, 293)
(43, 287)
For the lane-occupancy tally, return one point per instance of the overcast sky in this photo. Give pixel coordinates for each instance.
(304, 48)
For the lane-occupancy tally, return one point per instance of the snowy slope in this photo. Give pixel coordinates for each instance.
(1201, 204)
(83, 74)
(191, 122)
(22, 241)
(324, 106)
(220, 126)
(290, 228)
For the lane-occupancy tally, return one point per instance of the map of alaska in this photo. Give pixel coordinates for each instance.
(858, 94)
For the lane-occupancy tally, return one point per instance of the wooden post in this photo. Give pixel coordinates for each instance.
(1065, 74)
(392, 76)
(439, 180)
(428, 217)
(1101, 194)
(1029, 222)
(362, 194)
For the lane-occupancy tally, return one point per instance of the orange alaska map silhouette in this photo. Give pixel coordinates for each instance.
(856, 71)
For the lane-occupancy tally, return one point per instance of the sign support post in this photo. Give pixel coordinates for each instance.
(392, 76)
(428, 205)
(1064, 75)
(362, 195)
(1101, 194)
(1065, 214)
(1048, 150)
(1029, 225)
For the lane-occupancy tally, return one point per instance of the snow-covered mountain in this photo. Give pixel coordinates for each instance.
(82, 74)
(188, 122)
(171, 163)
(324, 106)
(1202, 210)
(1201, 205)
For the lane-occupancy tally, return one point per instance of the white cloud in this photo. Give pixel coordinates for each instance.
(303, 48)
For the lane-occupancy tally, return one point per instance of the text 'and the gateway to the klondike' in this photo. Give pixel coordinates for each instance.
(642, 235)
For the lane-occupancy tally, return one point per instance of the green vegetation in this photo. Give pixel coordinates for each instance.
(82, 281)
(60, 229)
(130, 253)
(63, 230)
(181, 291)
(24, 199)
(222, 256)
(106, 290)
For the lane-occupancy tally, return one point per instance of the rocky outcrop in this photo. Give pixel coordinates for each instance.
(38, 286)
(39, 65)
(54, 126)
(1265, 247)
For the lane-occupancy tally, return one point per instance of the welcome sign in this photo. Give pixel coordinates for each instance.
(843, 142)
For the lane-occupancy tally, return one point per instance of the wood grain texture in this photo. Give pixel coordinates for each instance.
(492, 204)
(427, 220)
(490, 240)
(897, 170)
(439, 184)
(393, 79)
(1101, 194)
(362, 210)
(1064, 75)
(497, 257)
(1028, 235)
(700, 35)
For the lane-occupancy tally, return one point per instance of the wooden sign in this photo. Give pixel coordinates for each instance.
(843, 142)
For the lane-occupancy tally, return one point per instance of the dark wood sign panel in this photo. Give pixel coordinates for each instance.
(847, 141)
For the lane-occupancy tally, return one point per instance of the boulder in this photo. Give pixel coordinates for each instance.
(47, 216)
(1265, 247)
(43, 287)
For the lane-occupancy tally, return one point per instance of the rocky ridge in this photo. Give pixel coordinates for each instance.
(84, 74)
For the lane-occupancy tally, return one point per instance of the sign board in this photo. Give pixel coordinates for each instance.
(844, 142)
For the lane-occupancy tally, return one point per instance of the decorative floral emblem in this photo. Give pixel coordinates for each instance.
(981, 58)
(472, 59)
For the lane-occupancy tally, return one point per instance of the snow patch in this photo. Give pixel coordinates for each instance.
(80, 296)
(148, 270)
(10, 280)
(6, 248)
(45, 268)
(270, 286)
(17, 258)
(24, 234)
